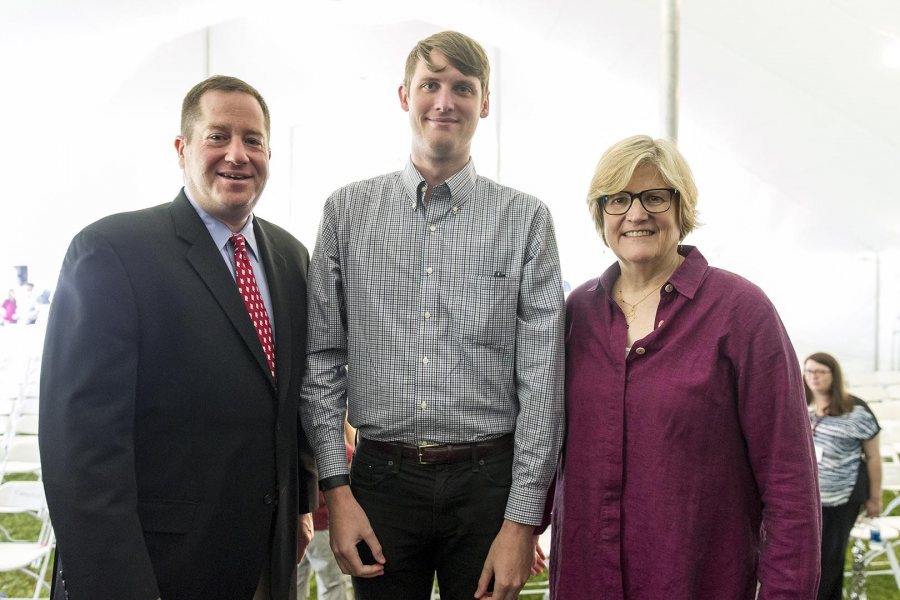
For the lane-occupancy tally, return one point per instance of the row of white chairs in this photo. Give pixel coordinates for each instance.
(877, 555)
(20, 454)
(875, 387)
(872, 378)
(19, 422)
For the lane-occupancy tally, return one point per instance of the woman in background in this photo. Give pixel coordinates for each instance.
(688, 469)
(844, 429)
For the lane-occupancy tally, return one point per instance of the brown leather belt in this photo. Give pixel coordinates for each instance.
(440, 454)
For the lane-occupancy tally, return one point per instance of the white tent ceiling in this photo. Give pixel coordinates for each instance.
(788, 114)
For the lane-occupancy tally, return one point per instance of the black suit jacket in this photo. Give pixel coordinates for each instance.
(171, 459)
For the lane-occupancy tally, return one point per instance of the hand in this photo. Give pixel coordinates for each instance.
(304, 534)
(349, 525)
(508, 562)
(873, 506)
(540, 559)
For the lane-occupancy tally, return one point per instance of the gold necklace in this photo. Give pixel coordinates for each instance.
(631, 313)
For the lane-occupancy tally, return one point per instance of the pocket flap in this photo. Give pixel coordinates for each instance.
(166, 516)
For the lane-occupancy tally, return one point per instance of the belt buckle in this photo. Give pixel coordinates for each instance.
(420, 447)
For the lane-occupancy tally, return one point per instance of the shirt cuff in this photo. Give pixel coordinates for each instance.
(329, 483)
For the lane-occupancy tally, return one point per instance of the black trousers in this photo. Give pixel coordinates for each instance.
(430, 519)
(837, 521)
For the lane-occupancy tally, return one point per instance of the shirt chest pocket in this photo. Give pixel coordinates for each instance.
(485, 310)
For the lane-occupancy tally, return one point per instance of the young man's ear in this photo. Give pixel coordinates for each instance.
(486, 105)
(404, 98)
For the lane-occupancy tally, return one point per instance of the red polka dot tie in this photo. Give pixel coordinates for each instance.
(252, 300)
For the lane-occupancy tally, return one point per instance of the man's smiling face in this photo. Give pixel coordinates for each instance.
(226, 157)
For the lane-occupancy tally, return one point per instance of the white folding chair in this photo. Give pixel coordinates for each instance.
(7, 405)
(869, 393)
(31, 558)
(22, 456)
(877, 550)
(887, 377)
(26, 424)
(886, 410)
(21, 497)
(889, 439)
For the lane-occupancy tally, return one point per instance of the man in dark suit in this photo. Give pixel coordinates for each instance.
(172, 456)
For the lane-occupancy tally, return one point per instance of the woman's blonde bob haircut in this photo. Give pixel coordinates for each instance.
(618, 163)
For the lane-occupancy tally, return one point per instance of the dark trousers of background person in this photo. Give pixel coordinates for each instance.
(837, 521)
(430, 519)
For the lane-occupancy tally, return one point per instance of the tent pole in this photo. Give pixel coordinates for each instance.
(671, 15)
(877, 306)
(206, 52)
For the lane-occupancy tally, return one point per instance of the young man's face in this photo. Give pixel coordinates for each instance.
(444, 108)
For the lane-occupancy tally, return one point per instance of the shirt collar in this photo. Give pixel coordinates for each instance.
(686, 278)
(220, 232)
(461, 184)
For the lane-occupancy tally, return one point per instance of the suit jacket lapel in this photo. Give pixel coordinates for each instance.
(276, 276)
(207, 261)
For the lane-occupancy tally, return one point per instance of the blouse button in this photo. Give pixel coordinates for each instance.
(639, 351)
(669, 287)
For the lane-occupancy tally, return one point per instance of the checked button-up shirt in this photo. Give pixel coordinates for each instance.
(438, 321)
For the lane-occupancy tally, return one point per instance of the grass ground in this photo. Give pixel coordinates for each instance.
(532, 581)
(16, 585)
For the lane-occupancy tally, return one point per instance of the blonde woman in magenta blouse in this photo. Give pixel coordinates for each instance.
(688, 469)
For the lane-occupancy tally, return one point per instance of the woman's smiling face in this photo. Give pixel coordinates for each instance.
(639, 237)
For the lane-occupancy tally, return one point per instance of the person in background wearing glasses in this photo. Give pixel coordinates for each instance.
(688, 469)
(844, 430)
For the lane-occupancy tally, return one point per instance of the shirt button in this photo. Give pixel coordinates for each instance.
(267, 499)
(668, 287)
(429, 270)
(423, 404)
(425, 360)
(639, 351)
(455, 209)
(427, 315)
(432, 227)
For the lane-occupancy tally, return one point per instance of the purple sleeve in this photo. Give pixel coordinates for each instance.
(774, 420)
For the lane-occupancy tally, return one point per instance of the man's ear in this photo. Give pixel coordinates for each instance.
(486, 105)
(180, 143)
(404, 97)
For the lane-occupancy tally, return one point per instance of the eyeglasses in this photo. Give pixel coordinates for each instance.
(654, 201)
(817, 371)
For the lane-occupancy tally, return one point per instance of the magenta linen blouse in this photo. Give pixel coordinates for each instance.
(688, 471)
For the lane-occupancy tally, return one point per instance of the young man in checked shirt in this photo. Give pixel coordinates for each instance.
(436, 318)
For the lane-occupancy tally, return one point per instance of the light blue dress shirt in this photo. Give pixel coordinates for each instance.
(221, 236)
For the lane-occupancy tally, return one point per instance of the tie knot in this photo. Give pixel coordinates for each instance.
(239, 242)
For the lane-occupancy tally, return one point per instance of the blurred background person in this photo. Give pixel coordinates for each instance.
(844, 430)
(331, 582)
(9, 308)
(688, 469)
